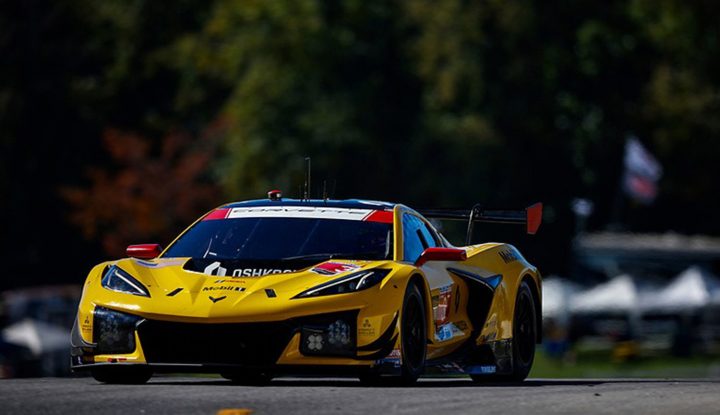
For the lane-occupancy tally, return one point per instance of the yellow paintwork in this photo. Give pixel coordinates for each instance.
(377, 305)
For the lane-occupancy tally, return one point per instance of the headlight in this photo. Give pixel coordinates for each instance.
(350, 283)
(329, 335)
(118, 280)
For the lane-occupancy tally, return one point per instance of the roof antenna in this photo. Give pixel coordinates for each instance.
(307, 178)
(325, 194)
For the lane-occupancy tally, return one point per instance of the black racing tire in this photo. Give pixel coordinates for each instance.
(413, 343)
(250, 378)
(524, 339)
(413, 334)
(122, 375)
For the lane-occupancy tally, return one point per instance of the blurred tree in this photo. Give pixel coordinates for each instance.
(69, 70)
(553, 85)
(150, 194)
(323, 79)
(680, 111)
(443, 102)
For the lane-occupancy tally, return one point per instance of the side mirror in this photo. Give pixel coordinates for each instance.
(441, 254)
(144, 251)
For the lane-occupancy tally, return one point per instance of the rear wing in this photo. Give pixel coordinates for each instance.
(531, 217)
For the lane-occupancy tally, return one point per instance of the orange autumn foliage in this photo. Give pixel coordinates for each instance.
(150, 192)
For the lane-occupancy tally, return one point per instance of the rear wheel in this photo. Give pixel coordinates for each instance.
(122, 375)
(524, 338)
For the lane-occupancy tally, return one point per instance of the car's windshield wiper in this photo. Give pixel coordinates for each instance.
(332, 255)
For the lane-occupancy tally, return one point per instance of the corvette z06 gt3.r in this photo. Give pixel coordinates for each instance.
(264, 288)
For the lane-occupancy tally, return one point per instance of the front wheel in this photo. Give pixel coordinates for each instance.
(413, 334)
(413, 342)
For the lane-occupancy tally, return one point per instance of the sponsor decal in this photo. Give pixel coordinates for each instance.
(334, 268)
(86, 326)
(395, 354)
(481, 370)
(487, 369)
(259, 272)
(441, 302)
(443, 333)
(230, 281)
(304, 212)
(509, 255)
(217, 269)
(366, 329)
(394, 358)
(224, 288)
(448, 331)
(298, 212)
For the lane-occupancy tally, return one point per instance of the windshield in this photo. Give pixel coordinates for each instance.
(283, 238)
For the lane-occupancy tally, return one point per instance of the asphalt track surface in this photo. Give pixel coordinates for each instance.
(211, 396)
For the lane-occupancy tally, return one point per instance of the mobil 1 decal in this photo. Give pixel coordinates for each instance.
(244, 268)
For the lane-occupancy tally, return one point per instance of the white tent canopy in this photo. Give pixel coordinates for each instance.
(690, 290)
(556, 295)
(620, 294)
(37, 336)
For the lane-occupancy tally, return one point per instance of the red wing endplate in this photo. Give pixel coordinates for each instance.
(530, 217)
(534, 218)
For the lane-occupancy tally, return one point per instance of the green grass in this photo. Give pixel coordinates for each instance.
(597, 365)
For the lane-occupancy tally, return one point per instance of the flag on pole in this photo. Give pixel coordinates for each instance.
(642, 172)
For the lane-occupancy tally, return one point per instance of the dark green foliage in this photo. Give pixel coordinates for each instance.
(440, 103)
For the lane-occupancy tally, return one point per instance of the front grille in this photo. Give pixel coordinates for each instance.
(247, 344)
(113, 331)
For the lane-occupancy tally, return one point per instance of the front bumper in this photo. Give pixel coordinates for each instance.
(215, 347)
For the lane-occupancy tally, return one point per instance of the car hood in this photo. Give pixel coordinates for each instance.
(186, 289)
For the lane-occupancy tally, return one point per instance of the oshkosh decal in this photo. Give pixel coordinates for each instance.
(258, 272)
(217, 269)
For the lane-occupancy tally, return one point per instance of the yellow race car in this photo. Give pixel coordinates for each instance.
(264, 288)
